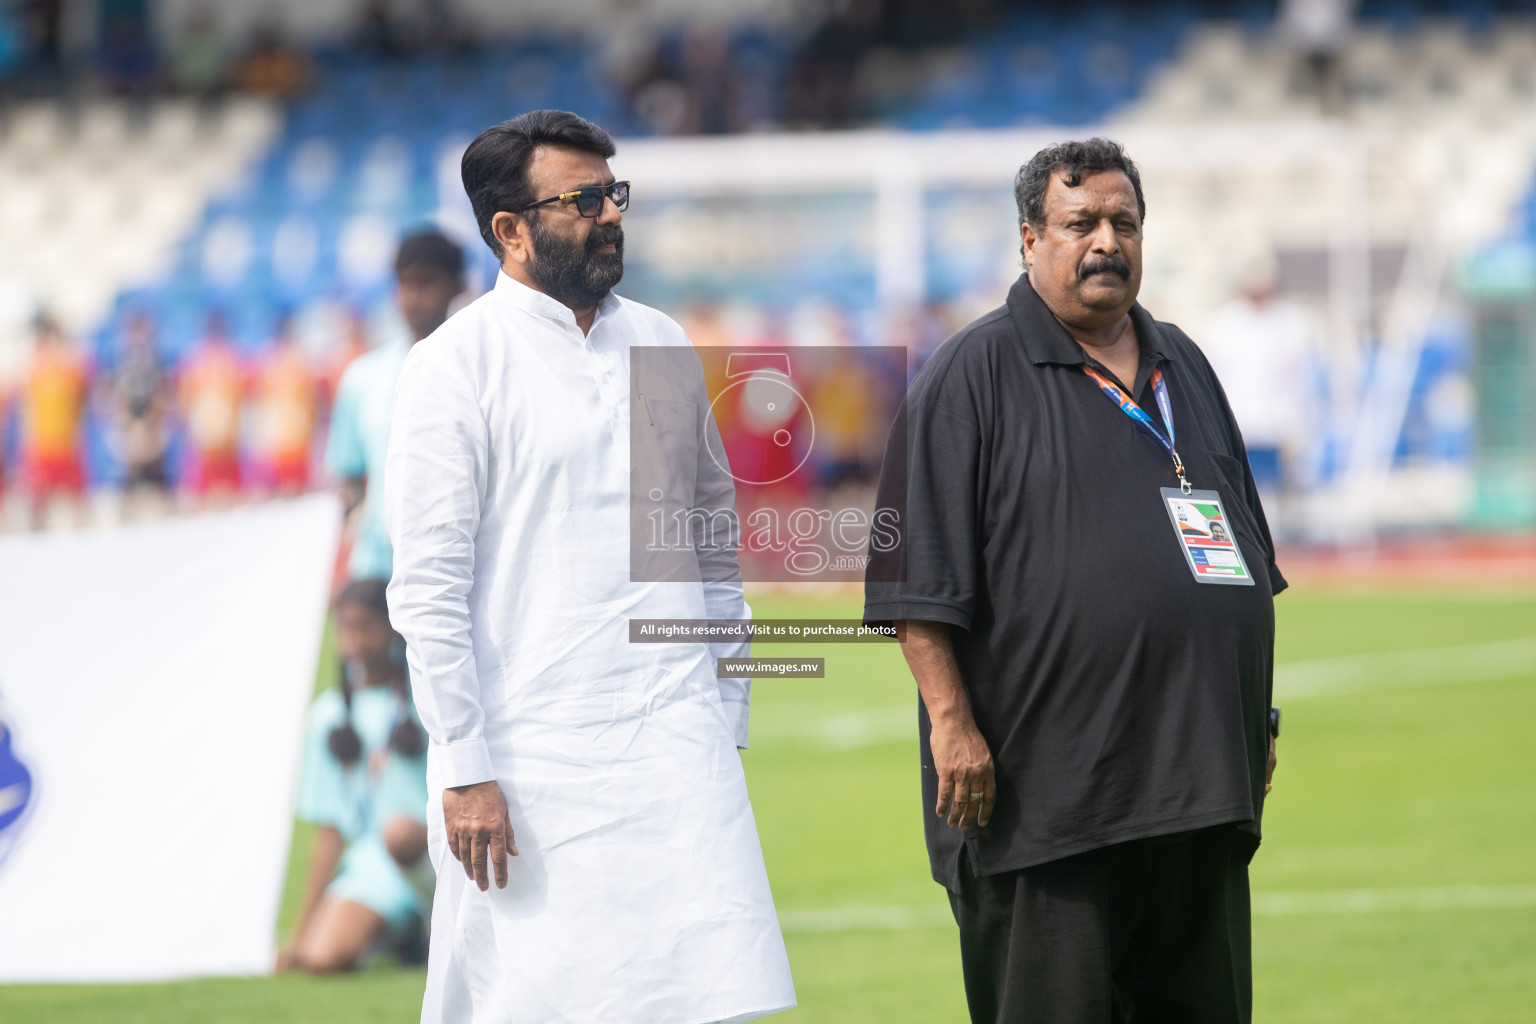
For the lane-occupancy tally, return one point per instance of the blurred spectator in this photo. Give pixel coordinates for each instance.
(1319, 29)
(624, 40)
(38, 33)
(199, 62)
(364, 783)
(140, 397)
(661, 103)
(820, 91)
(380, 33)
(704, 325)
(1261, 348)
(706, 75)
(390, 31)
(272, 66)
(13, 43)
(916, 23)
(767, 429)
(690, 95)
(888, 79)
(846, 399)
(441, 29)
(429, 273)
(211, 394)
(127, 55)
(287, 393)
(705, 91)
(55, 387)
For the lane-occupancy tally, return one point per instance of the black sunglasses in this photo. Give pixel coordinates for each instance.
(589, 200)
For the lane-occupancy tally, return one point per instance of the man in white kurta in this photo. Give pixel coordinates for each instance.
(637, 891)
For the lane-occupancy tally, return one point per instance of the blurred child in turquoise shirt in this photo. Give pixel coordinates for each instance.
(364, 784)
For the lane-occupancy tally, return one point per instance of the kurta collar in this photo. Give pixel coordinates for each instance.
(538, 303)
(1046, 341)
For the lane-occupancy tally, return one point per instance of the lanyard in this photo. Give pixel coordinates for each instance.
(1128, 406)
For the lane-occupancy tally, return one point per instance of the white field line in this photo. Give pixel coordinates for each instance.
(807, 722)
(1370, 901)
(866, 919)
(1433, 666)
(1295, 680)
(857, 729)
(1265, 904)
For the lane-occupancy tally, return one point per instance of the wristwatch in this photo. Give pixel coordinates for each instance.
(1274, 722)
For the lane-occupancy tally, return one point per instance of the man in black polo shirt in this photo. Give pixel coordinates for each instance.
(1086, 578)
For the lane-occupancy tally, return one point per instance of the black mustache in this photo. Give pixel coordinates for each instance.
(605, 234)
(1106, 265)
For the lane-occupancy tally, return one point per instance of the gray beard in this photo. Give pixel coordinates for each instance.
(578, 277)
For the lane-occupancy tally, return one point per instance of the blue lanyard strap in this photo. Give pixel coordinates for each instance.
(1139, 415)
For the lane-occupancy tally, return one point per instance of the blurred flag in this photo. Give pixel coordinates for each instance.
(154, 680)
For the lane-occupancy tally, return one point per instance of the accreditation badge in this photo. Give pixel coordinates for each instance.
(1206, 535)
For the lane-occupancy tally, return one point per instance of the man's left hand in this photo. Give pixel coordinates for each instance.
(479, 830)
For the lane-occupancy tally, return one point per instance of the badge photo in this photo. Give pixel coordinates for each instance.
(1205, 535)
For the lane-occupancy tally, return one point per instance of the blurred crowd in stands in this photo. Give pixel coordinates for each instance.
(211, 427)
(223, 421)
(35, 58)
(842, 64)
(219, 423)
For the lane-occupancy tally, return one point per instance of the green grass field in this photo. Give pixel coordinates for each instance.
(1397, 881)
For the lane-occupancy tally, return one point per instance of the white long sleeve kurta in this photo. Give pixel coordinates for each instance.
(640, 893)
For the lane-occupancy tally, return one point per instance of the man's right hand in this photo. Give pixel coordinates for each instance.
(479, 831)
(964, 763)
(960, 753)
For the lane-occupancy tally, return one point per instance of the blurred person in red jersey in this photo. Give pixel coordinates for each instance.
(364, 783)
(140, 399)
(287, 394)
(705, 326)
(211, 391)
(766, 440)
(55, 388)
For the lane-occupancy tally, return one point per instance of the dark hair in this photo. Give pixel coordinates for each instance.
(495, 166)
(370, 594)
(406, 737)
(432, 249)
(1074, 159)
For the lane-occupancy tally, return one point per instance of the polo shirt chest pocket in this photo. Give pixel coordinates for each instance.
(665, 450)
(1230, 476)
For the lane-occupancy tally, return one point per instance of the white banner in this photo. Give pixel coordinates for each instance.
(153, 684)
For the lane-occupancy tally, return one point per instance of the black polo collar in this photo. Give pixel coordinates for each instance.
(1046, 341)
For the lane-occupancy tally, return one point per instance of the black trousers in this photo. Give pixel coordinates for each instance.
(1147, 932)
